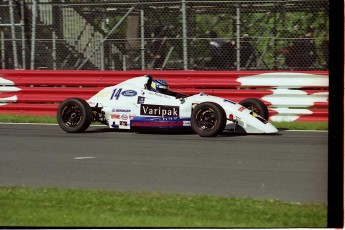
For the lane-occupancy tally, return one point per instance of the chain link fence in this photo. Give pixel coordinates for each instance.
(164, 34)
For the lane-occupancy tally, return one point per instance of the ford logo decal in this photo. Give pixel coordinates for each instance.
(129, 93)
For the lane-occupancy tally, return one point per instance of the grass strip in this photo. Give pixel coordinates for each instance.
(301, 125)
(52, 120)
(24, 206)
(18, 118)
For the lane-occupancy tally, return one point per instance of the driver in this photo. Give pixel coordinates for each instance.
(159, 85)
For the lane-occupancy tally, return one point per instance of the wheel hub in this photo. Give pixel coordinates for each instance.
(71, 116)
(206, 119)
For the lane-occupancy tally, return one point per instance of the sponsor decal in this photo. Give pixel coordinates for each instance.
(141, 100)
(123, 123)
(129, 93)
(155, 94)
(158, 94)
(115, 116)
(166, 96)
(121, 110)
(115, 125)
(159, 110)
(241, 108)
(157, 124)
(124, 117)
(116, 94)
(186, 123)
(156, 119)
(168, 118)
(227, 100)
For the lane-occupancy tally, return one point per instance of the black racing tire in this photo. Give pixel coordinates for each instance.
(256, 106)
(74, 115)
(208, 119)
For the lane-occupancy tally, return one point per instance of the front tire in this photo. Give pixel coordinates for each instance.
(256, 106)
(208, 119)
(74, 115)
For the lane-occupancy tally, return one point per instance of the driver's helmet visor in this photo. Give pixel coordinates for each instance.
(159, 86)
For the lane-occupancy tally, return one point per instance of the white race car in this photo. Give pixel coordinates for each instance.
(144, 102)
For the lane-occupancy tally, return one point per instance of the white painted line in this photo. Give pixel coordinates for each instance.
(82, 158)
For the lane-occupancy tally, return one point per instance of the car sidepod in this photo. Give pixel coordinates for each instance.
(128, 107)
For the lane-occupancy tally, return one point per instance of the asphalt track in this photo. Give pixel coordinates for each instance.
(290, 165)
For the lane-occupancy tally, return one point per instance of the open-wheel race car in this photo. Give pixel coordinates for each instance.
(145, 103)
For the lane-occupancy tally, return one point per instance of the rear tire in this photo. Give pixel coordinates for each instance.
(256, 106)
(208, 119)
(74, 115)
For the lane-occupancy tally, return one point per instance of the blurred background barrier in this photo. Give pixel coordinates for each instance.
(164, 34)
(290, 96)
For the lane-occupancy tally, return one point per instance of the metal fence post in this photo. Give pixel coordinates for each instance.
(142, 38)
(2, 37)
(13, 32)
(33, 34)
(54, 50)
(184, 35)
(22, 23)
(238, 34)
(102, 46)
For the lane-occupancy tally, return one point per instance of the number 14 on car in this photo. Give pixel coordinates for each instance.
(116, 94)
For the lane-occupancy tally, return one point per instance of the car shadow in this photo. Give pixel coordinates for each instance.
(232, 133)
(164, 131)
(173, 132)
(105, 130)
(142, 131)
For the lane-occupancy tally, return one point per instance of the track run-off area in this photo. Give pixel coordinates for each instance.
(290, 166)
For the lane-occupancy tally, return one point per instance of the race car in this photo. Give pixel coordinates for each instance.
(147, 103)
